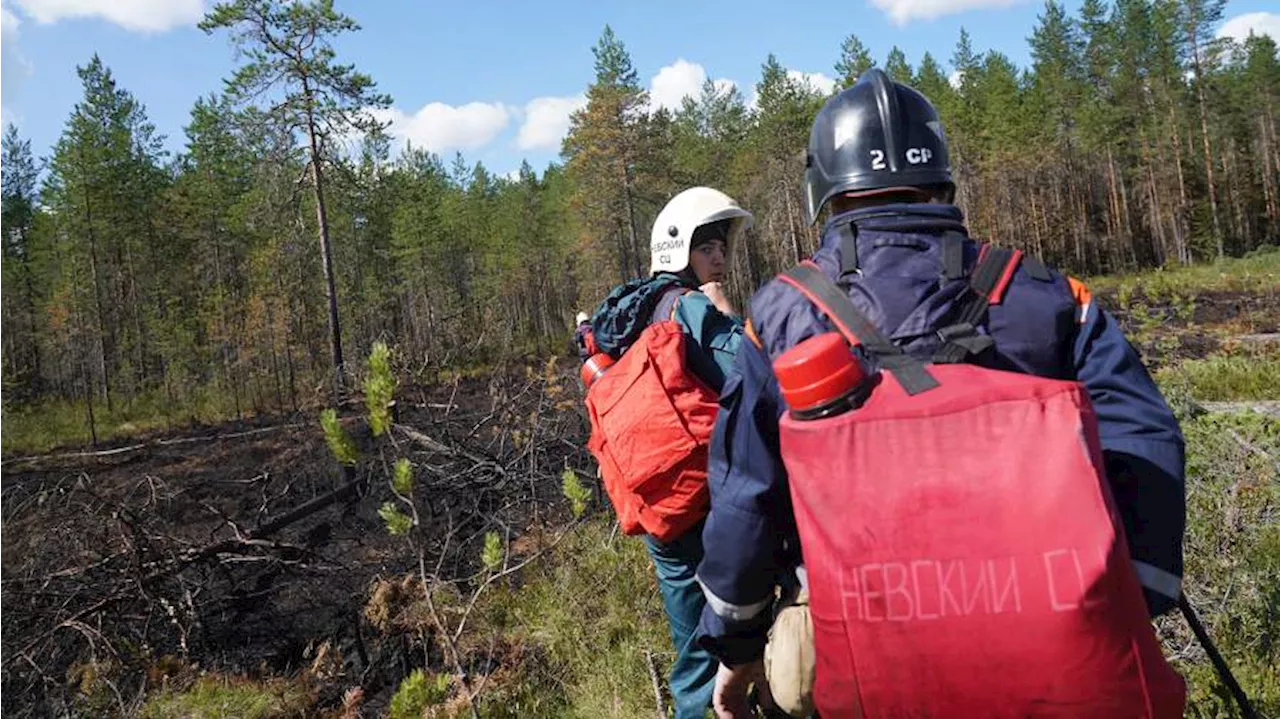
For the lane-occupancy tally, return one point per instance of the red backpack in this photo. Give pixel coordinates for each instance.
(965, 557)
(651, 422)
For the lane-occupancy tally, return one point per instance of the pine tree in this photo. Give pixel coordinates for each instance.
(604, 145)
(103, 187)
(855, 59)
(289, 48)
(1200, 17)
(897, 67)
(18, 208)
(215, 177)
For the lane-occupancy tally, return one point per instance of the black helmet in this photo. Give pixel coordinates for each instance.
(877, 135)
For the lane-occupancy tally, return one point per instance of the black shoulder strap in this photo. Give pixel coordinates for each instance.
(987, 284)
(848, 248)
(857, 329)
(952, 255)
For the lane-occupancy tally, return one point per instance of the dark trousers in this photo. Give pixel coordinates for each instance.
(693, 675)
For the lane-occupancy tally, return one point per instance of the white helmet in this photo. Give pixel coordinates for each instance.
(673, 229)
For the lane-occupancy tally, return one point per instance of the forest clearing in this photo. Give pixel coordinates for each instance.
(292, 418)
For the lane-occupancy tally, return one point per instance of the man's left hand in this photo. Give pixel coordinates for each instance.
(732, 683)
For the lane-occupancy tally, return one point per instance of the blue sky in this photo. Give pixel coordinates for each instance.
(494, 80)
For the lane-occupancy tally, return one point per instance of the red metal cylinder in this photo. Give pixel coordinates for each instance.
(818, 372)
(594, 367)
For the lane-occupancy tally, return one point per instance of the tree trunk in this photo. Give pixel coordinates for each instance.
(1180, 226)
(135, 308)
(222, 320)
(1125, 240)
(88, 401)
(1236, 202)
(1268, 188)
(288, 344)
(104, 334)
(1113, 198)
(637, 265)
(326, 256)
(37, 378)
(1204, 136)
(1037, 239)
(1159, 247)
(275, 356)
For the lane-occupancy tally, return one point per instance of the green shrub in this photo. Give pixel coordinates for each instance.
(418, 692)
(217, 697)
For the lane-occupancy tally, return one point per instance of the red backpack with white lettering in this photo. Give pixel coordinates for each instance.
(964, 554)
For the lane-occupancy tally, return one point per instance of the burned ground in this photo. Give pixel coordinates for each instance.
(143, 558)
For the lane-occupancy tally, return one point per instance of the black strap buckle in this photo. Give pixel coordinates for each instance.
(960, 330)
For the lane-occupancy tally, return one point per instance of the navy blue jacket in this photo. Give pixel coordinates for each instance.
(750, 536)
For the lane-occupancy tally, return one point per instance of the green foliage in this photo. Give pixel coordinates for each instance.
(1256, 272)
(397, 523)
(492, 554)
(416, 693)
(1226, 378)
(21, 269)
(855, 59)
(289, 46)
(402, 477)
(215, 697)
(1092, 157)
(379, 389)
(50, 423)
(340, 443)
(585, 616)
(573, 490)
(1232, 559)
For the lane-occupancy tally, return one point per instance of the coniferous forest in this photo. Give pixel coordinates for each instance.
(439, 543)
(245, 274)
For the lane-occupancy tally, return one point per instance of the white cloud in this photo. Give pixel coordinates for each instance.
(902, 12)
(955, 78)
(679, 80)
(138, 15)
(8, 25)
(546, 121)
(723, 86)
(14, 67)
(1260, 23)
(814, 80)
(440, 128)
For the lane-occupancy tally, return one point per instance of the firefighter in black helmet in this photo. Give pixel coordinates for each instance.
(877, 168)
(878, 138)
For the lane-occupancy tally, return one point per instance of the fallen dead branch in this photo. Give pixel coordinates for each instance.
(98, 454)
(1267, 407)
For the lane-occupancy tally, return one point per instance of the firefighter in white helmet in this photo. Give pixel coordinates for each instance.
(683, 297)
(691, 238)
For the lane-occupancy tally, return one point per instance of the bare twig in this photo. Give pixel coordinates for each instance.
(450, 646)
(96, 606)
(657, 685)
(510, 570)
(1250, 447)
(441, 448)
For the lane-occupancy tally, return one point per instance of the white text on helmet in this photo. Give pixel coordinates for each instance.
(919, 155)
